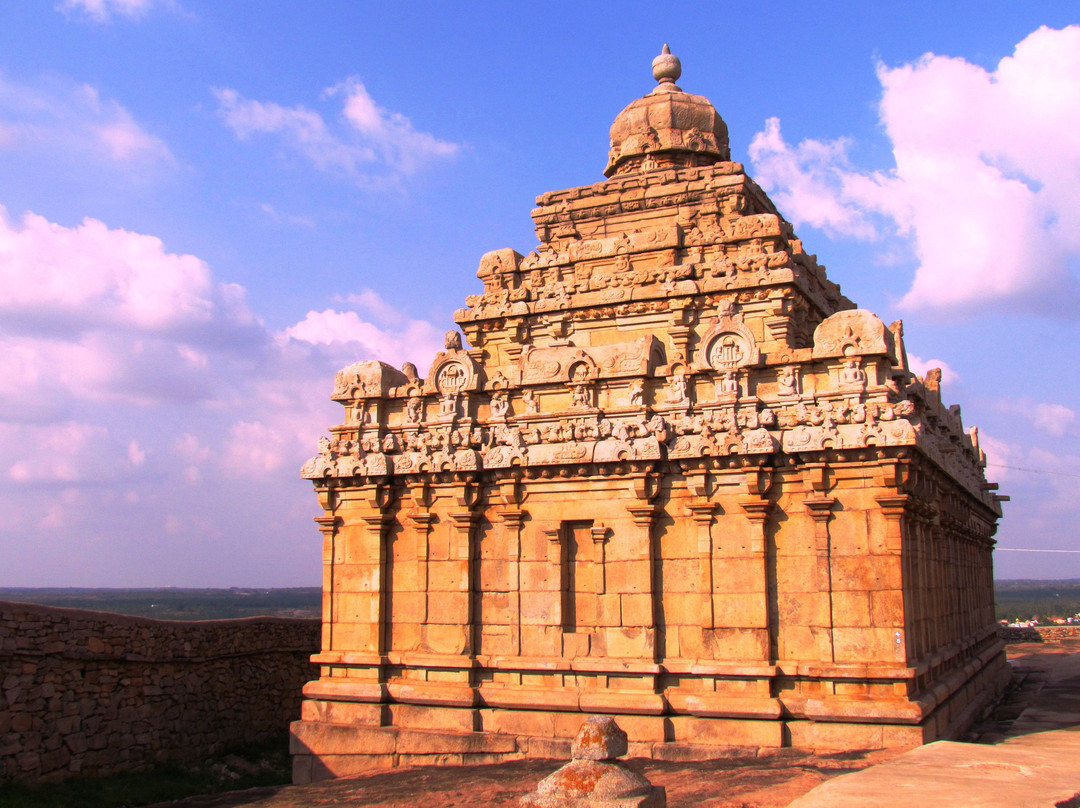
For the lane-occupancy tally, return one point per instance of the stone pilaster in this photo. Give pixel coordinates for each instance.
(513, 518)
(423, 521)
(328, 525)
(757, 510)
(462, 539)
(820, 510)
(643, 517)
(702, 514)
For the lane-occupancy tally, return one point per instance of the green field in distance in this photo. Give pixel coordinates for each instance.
(1016, 600)
(179, 604)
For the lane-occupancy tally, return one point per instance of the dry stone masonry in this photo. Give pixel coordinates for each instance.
(671, 474)
(93, 693)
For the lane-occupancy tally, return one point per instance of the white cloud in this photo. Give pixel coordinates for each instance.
(62, 452)
(104, 10)
(920, 366)
(986, 178)
(94, 313)
(135, 454)
(1054, 418)
(286, 218)
(146, 387)
(90, 275)
(413, 339)
(370, 144)
(809, 181)
(998, 456)
(73, 121)
(390, 133)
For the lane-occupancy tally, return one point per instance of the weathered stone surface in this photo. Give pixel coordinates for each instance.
(594, 778)
(599, 738)
(670, 472)
(91, 693)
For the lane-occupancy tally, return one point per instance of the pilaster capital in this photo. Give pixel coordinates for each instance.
(512, 517)
(756, 509)
(893, 506)
(600, 533)
(464, 520)
(642, 515)
(702, 512)
(820, 508)
(376, 521)
(423, 519)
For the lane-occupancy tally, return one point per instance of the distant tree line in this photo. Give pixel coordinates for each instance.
(180, 604)
(1024, 599)
(1020, 599)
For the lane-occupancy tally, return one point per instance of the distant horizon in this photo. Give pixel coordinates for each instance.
(316, 586)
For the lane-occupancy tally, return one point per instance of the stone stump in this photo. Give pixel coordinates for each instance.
(594, 778)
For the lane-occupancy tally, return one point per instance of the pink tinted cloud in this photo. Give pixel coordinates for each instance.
(368, 143)
(104, 10)
(59, 118)
(986, 178)
(146, 387)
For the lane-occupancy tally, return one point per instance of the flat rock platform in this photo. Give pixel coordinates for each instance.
(1024, 754)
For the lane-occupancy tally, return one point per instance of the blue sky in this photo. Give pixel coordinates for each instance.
(211, 207)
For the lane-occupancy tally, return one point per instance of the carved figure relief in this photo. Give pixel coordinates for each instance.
(677, 390)
(581, 394)
(451, 377)
(414, 410)
(787, 381)
(532, 402)
(852, 375)
(448, 405)
(727, 385)
(500, 406)
(726, 351)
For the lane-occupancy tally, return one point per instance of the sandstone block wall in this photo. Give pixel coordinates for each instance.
(92, 693)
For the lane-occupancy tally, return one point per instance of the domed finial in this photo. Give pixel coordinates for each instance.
(666, 69)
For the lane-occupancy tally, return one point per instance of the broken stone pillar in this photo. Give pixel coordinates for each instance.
(594, 778)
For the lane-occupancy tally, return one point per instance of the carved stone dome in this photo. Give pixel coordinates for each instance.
(667, 128)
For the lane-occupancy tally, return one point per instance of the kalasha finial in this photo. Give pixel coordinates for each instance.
(666, 69)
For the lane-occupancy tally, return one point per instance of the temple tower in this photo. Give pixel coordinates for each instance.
(671, 474)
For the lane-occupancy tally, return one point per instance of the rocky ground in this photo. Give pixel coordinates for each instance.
(768, 780)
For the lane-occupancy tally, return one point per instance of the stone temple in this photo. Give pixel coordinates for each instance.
(672, 475)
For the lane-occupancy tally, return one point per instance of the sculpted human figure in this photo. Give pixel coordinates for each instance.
(414, 410)
(787, 382)
(852, 374)
(727, 385)
(500, 406)
(637, 392)
(581, 397)
(677, 389)
(532, 402)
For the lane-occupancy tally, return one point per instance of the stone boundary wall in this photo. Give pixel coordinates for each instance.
(1037, 633)
(86, 692)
